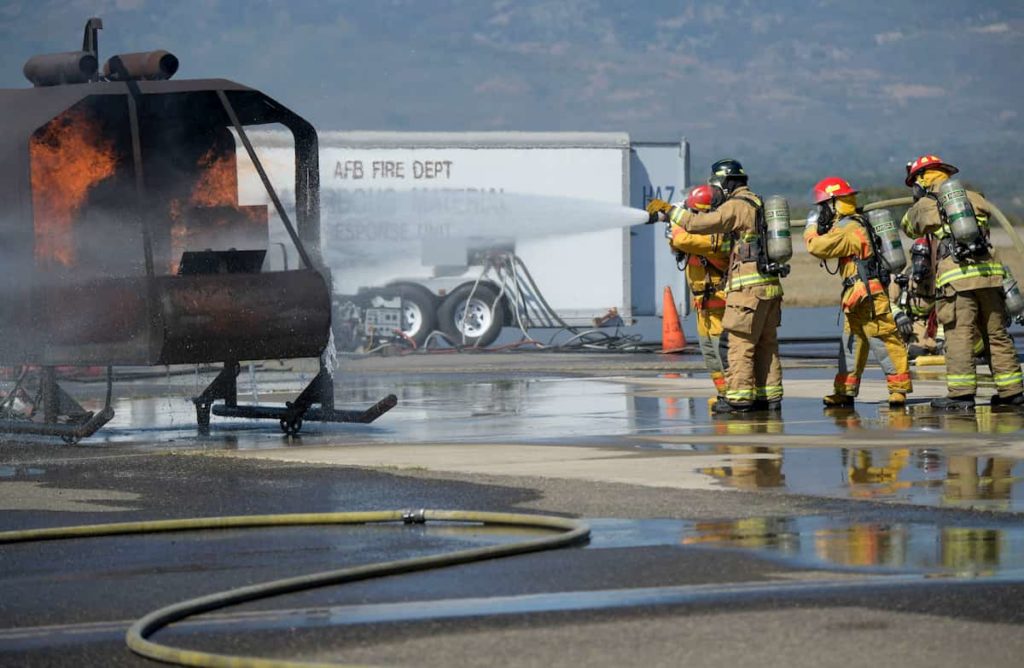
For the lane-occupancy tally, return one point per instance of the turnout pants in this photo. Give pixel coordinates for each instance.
(870, 328)
(962, 314)
(713, 343)
(754, 371)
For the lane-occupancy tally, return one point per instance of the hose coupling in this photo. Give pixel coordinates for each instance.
(414, 516)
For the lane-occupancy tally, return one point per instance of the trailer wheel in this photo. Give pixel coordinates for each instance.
(419, 312)
(473, 317)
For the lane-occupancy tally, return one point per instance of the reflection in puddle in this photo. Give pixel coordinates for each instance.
(925, 476)
(471, 406)
(821, 541)
(749, 467)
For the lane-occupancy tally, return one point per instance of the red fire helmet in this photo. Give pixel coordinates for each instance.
(699, 198)
(927, 162)
(831, 186)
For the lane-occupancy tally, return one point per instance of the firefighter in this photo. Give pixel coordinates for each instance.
(753, 308)
(707, 259)
(916, 295)
(836, 230)
(968, 285)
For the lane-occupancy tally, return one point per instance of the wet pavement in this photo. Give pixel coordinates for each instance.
(908, 518)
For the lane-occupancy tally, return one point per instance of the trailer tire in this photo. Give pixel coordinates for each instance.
(419, 311)
(482, 324)
(347, 337)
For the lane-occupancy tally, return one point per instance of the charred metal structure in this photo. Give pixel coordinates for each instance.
(125, 243)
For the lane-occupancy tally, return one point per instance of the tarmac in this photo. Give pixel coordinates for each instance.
(815, 538)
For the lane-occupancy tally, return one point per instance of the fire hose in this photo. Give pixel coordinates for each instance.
(138, 637)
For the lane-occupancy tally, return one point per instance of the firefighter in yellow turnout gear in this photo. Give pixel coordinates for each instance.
(968, 283)
(707, 259)
(753, 309)
(836, 231)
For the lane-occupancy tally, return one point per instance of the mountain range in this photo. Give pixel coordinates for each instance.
(796, 89)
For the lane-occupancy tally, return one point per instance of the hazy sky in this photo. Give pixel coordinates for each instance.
(785, 83)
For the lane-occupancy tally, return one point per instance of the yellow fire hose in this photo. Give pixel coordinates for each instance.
(570, 532)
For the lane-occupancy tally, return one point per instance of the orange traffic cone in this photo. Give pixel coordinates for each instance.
(672, 338)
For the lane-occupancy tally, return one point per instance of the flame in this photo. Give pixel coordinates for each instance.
(218, 183)
(217, 186)
(68, 157)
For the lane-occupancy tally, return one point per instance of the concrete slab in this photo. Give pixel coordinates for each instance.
(648, 469)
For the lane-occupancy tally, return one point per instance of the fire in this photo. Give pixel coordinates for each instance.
(217, 186)
(69, 157)
(218, 183)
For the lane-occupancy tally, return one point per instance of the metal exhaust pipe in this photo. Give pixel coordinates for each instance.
(144, 66)
(55, 69)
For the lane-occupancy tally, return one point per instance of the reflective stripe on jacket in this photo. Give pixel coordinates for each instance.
(960, 272)
(740, 219)
(983, 272)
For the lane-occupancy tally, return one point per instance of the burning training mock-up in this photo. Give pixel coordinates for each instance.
(125, 243)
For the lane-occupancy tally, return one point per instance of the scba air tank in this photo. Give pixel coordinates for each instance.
(888, 234)
(963, 224)
(778, 244)
(1012, 296)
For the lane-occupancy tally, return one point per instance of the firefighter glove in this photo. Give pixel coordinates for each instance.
(656, 205)
(904, 324)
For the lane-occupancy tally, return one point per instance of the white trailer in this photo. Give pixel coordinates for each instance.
(412, 216)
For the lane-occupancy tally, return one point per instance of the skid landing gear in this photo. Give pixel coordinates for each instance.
(290, 417)
(62, 416)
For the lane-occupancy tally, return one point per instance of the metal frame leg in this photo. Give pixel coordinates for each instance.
(224, 386)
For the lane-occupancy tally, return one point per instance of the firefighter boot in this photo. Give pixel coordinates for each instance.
(897, 399)
(838, 401)
(963, 403)
(1016, 400)
(726, 407)
(769, 405)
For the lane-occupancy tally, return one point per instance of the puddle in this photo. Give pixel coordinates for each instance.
(20, 471)
(927, 476)
(824, 542)
(636, 412)
(451, 408)
(883, 554)
(612, 532)
(892, 546)
(447, 408)
(492, 405)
